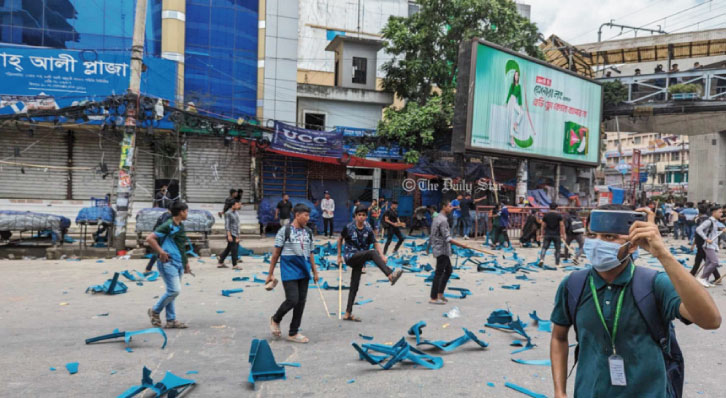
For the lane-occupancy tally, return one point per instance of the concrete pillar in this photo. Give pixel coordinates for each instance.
(707, 168)
(522, 177)
(173, 30)
(376, 183)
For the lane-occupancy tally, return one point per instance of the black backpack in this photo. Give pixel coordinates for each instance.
(162, 219)
(662, 332)
(288, 227)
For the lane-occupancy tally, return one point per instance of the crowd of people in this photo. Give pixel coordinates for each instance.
(610, 363)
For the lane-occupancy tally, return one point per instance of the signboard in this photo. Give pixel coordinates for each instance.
(41, 78)
(383, 152)
(307, 142)
(524, 107)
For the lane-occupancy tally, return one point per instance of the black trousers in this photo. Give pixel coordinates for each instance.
(230, 249)
(356, 263)
(546, 245)
(700, 256)
(327, 222)
(152, 260)
(296, 292)
(393, 231)
(441, 276)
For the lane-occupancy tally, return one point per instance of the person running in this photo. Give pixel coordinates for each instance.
(419, 221)
(698, 241)
(231, 227)
(169, 242)
(574, 231)
(441, 242)
(162, 218)
(618, 352)
(283, 210)
(327, 205)
(293, 247)
(553, 230)
(530, 229)
(358, 238)
(390, 218)
(708, 231)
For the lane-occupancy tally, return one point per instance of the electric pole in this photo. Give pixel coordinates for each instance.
(124, 193)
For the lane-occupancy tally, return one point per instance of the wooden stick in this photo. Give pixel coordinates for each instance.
(485, 251)
(327, 312)
(340, 290)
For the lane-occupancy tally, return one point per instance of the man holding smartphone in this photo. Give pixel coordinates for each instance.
(618, 309)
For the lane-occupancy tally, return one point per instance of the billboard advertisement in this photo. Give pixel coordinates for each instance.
(43, 79)
(524, 107)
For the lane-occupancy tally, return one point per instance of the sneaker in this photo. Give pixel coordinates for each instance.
(154, 317)
(466, 237)
(174, 324)
(396, 276)
(704, 282)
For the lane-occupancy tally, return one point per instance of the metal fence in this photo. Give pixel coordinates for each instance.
(654, 87)
(518, 217)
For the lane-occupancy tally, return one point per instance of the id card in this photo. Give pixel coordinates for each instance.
(617, 370)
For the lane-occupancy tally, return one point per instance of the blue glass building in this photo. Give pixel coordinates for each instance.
(221, 41)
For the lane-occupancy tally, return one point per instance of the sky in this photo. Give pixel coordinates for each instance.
(577, 21)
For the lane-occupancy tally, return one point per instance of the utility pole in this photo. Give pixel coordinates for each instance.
(124, 193)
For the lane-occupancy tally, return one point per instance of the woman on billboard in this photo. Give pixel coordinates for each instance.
(518, 135)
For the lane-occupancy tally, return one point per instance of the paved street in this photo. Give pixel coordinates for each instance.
(46, 316)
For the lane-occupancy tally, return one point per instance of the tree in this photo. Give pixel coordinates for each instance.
(424, 52)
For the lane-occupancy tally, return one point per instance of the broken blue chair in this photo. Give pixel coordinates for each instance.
(263, 365)
(392, 355)
(171, 385)
(127, 335)
(111, 286)
(446, 346)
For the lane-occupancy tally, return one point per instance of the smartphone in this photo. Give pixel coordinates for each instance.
(614, 221)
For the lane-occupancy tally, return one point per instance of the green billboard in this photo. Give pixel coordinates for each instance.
(524, 107)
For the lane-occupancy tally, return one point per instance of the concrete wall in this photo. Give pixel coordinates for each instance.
(281, 60)
(345, 74)
(338, 113)
(707, 168)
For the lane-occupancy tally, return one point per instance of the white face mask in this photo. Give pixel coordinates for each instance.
(604, 255)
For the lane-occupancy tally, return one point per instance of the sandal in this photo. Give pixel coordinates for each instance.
(351, 318)
(437, 302)
(444, 299)
(236, 267)
(174, 324)
(298, 338)
(275, 328)
(396, 276)
(222, 265)
(155, 320)
(363, 271)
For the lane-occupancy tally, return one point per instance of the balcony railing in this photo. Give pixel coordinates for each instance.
(654, 87)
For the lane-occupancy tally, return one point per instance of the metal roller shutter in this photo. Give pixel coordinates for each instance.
(90, 149)
(144, 170)
(213, 169)
(46, 148)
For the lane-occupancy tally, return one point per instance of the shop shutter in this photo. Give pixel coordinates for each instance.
(284, 174)
(213, 169)
(144, 170)
(90, 150)
(44, 148)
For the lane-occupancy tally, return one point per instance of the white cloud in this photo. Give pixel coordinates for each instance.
(577, 21)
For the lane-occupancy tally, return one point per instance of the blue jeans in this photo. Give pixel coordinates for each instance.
(466, 221)
(456, 223)
(171, 273)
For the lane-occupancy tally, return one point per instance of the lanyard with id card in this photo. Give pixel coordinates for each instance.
(615, 361)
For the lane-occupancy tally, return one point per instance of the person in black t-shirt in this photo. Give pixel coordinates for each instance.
(390, 219)
(553, 229)
(283, 210)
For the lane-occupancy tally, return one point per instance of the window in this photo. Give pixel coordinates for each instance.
(636, 140)
(656, 157)
(359, 70)
(675, 156)
(315, 121)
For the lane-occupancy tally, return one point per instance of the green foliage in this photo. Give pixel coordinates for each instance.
(614, 93)
(685, 88)
(424, 49)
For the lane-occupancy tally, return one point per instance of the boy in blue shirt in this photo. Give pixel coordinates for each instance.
(293, 247)
(172, 263)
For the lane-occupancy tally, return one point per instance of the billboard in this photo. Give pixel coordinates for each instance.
(524, 107)
(36, 78)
